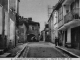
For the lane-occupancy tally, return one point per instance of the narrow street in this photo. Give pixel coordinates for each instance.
(41, 50)
(39, 29)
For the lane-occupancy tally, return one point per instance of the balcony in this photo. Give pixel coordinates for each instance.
(70, 19)
(73, 15)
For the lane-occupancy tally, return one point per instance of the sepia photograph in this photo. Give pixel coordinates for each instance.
(39, 29)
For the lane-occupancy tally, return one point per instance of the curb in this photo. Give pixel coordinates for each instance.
(72, 54)
(20, 52)
(26, 52)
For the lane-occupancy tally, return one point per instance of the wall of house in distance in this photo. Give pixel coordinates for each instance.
(22, 34)
(34, 29)
(1, 41)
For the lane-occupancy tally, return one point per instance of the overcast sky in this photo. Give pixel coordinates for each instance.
(37, 9)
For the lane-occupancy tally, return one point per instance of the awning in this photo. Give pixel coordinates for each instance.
(72, 23)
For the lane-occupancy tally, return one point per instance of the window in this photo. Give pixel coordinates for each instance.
(75, 7)
(60, 14)
(55, 17)
(75, 4)
(32, 28)
(67, 11)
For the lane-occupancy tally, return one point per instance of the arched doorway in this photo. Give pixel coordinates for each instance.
(29, 36)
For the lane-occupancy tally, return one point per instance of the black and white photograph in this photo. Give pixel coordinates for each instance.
(39, 29)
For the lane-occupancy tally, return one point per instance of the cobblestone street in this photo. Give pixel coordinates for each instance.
(41, 50)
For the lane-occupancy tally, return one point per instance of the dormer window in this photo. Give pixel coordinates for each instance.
(32, 28)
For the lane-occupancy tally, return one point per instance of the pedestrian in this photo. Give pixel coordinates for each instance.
(56, 41)
(10, 44)
(34, 39)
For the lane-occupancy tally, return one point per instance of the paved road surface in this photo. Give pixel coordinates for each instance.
(42, 50)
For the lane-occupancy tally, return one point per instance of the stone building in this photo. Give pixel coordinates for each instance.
(42, 36)
(33, 29)
(8, 8)
(22, 30)
(47, 34)
(70, 28)
(53, 25)
(68, 24)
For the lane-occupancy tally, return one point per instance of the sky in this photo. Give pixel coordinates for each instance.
(37, 9)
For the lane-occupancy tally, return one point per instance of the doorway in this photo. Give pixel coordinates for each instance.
(75, 37)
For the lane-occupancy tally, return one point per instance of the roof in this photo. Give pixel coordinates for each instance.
(33, 23)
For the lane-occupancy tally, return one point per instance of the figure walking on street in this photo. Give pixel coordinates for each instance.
(56, 41)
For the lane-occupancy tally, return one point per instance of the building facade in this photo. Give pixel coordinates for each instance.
(8, 22)
(42, 36)
(22, 36)
(68, 23)
(3, 24)
(33, 29)
(22, 30)
(53, 25)
(50, 26)
(46, 33)
(71, 16)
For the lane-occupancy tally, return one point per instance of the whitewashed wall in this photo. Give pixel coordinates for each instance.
(12, 31)
(6, 22)
(56, 23)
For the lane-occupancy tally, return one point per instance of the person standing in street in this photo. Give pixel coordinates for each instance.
(56, 41)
